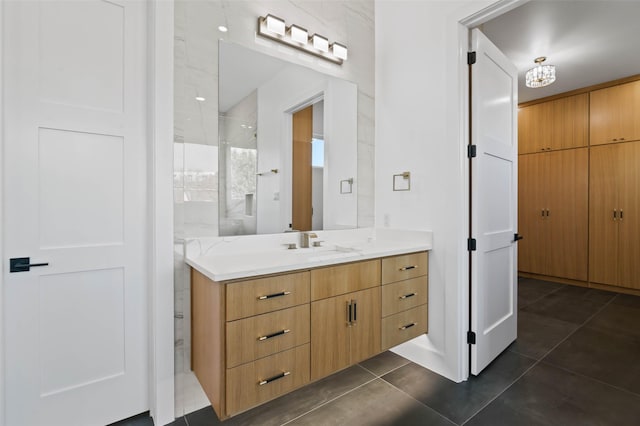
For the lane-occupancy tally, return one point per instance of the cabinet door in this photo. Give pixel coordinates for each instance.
(629, 223)
(365, 329)
(603, 226)
(532, 136)
(614, 114)
(569, 122)
(532, 175)
(567, 223)
(330, 330)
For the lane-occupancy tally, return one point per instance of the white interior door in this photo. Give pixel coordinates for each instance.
(494, 173)
(75, 198)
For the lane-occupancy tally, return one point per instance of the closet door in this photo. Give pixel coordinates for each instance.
(567, 224)
(532, 183)
(629, 222)
(570, 122)
(603, 210)
(614, 113)
(533, 137)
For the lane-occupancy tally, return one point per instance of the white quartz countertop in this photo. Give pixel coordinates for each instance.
(230, 258)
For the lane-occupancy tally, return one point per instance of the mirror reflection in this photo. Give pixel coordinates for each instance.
(287, 146)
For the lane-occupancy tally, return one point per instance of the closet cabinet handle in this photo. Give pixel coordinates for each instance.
(621, 214)
(615, 214)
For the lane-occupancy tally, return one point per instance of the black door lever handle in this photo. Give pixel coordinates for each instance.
(22, 264)
(517, 237)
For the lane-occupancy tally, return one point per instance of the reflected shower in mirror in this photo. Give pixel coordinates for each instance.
(287, 138)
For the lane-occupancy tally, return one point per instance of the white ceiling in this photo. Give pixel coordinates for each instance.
(589, 42)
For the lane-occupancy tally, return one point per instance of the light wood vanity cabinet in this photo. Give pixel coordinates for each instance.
(256, 339)
(404, 298)
(250, 338)
(615, 114)
(345, 322)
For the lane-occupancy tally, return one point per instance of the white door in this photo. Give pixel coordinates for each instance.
(75, 198)
(494, 172)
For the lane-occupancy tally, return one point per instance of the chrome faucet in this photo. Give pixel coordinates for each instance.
(305, 237)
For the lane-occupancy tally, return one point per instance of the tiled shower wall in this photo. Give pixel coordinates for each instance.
(196, 122)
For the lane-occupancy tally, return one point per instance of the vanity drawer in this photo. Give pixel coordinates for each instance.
(262, 295)
(341, 279)
(403, 267)
(403, 295)
(267, 378)
(262, 335)
(404, 326)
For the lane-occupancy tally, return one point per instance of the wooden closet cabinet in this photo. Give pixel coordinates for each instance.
(615, 114)
(614, 215)
(558, 124)
(345, 316)
(553, 212)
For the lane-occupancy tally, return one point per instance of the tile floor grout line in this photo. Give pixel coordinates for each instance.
(593, 379)
(379, 376)
(545, 295)
(329, 401)
(419, 402)
(541, 358)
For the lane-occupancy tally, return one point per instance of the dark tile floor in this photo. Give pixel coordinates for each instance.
(576, 362)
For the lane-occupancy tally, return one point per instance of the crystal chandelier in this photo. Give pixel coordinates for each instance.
(541, 75)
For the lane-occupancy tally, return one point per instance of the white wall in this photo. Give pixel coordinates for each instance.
(2, 409)
(420, 127)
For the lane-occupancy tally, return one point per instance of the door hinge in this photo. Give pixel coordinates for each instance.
(471, 58)
(471, 244)
(472, 152)
(471, 337)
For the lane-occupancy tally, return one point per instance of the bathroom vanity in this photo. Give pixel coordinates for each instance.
(264, 324)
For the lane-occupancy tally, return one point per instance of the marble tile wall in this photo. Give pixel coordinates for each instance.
(196, 122)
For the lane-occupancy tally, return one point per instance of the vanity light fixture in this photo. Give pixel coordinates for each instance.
(320, 43)
(298, 34)
(339, 51)
(540, 75)
(274, 25)
(274, 28)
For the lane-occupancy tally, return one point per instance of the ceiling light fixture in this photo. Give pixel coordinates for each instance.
(223, 29)
(295, 36)
(540, 75)
(200, 99)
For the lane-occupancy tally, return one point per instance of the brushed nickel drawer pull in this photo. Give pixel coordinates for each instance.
(276, 334)
(270, 296)
(404, 327)
(406, 268)
(406, 296)
(274, 378)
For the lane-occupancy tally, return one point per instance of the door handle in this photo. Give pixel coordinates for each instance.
(517, 237)
(22, 264)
